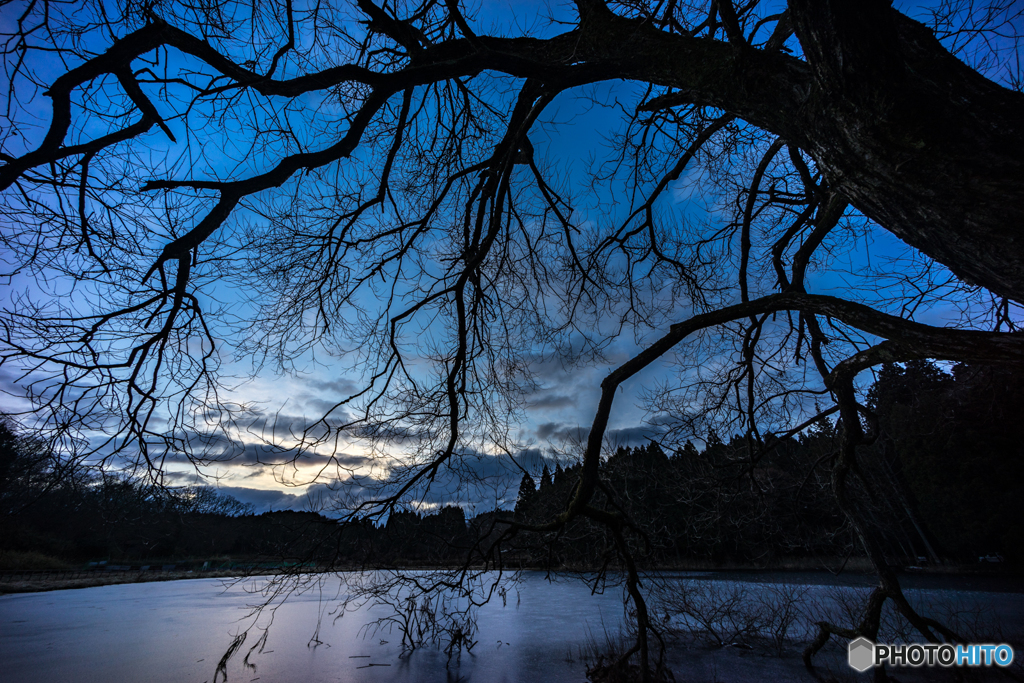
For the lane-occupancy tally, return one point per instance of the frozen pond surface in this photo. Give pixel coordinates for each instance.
(178, 631)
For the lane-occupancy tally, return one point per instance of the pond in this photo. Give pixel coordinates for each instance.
(179, 631)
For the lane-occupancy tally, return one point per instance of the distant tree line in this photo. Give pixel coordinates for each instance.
(76, 516)
(944, 480)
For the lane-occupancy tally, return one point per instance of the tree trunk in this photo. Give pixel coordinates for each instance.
(916, 139)
(912, 136)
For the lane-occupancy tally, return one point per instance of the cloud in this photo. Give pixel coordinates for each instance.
(176, 478)
(320, 406)
(391, 432)
(477, 482)
(562, 432)
(260, 454)
(342, 387)
(552, 401)
(264, 500)
(211, 449)
(11, 393)
(280, 426)
(545, 430)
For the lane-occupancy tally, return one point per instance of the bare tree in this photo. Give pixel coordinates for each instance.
(188, 185)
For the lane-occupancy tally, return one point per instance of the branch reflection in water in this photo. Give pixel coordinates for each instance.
(181, 630)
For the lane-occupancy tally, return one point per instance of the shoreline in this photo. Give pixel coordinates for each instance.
(43, 583)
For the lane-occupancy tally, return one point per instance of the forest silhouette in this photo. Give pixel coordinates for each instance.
(943, 483)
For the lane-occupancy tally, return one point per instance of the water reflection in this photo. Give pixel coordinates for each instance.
(179, 631)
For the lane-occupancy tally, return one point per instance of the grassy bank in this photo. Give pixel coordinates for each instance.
(69, 580)
(28, 572)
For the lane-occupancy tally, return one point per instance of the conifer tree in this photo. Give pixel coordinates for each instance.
(545, 482)
(527, 494)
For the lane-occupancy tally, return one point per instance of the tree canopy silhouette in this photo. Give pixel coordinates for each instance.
(188, 185)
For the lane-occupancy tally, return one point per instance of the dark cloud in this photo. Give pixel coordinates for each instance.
(218, 448)
(533, 459)
(342, 387)
(391, 432)
(347, 460)
(278, 426)
(562, 432)
(174, 478)
(269, 464)
(260, 454)
(552, 401)
(321, 406)
(544, 431)
(476, 482)
(10, 392)
(263, 500)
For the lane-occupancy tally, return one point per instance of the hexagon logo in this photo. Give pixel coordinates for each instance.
(861, 654)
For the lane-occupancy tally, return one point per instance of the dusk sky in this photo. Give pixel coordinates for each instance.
(282, 399)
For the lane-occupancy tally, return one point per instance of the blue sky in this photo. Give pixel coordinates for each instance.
(280, 398)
